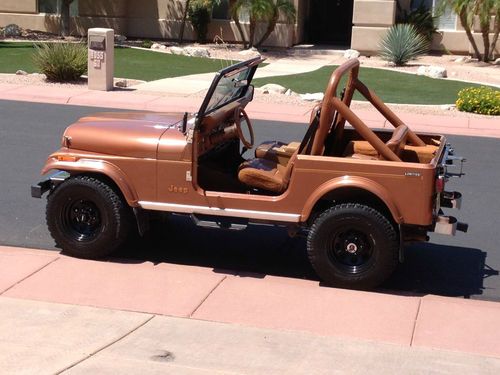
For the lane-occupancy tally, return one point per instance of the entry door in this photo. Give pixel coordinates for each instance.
(330, 21)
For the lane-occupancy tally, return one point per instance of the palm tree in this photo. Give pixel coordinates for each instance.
(465, 11)
(258, 10)
(281, 8)
(234, 10)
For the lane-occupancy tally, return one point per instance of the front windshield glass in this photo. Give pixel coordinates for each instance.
(230, 87)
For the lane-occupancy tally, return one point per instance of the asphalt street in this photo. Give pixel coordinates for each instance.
(463, 266)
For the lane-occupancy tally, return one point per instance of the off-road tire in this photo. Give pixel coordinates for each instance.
(87, 218)
(354, 246)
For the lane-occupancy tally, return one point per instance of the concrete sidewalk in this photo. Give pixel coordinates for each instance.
(48, 338)
(272, 323)
(165, 102)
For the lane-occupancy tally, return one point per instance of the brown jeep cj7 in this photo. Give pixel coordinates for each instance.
(359, 194)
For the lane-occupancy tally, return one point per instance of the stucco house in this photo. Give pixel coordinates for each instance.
(358, 24)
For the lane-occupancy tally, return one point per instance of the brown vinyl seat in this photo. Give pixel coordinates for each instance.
(266, 174)
(271, 169)
(364, 150)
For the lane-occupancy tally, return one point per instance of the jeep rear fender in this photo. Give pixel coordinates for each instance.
(83, 165)
(360, 183)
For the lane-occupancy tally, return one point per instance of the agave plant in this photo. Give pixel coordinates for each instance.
(402, 43)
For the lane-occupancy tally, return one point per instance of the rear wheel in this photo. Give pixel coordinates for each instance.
(87, 218)
(353, 246)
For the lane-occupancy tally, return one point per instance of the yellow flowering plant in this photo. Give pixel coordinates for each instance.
(482, 100)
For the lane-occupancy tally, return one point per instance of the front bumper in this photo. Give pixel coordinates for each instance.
(48, 183)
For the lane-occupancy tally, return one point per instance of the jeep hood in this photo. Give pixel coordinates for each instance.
(132, 134)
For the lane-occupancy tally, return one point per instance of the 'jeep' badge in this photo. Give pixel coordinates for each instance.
(178, 189)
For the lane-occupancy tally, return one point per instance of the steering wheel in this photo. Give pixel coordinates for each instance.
(240, 114)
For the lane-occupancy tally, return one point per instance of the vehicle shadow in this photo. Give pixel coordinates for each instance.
(261, 250)
(441, 269)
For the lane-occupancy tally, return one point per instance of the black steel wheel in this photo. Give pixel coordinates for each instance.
(353, 246)
(87, 218)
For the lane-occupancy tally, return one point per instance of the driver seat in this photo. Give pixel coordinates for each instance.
(271, 173)
(266, 174)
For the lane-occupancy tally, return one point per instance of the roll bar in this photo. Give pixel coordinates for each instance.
(335, 111)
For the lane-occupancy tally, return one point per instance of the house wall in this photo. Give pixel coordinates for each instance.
(162, 19)
(371, 19)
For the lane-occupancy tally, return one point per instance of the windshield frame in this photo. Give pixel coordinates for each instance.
(251, 64)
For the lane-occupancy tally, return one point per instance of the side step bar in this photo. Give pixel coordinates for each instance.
(448, 225)
(216, 222)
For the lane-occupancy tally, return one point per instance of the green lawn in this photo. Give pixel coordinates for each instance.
(392, 87)
(129, 63)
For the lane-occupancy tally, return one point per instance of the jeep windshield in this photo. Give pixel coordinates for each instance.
(229, 84)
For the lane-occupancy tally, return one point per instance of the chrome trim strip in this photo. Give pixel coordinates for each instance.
(251, 214)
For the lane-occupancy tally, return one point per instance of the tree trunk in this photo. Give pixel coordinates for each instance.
(236, 19)
(183, 23)
(465, 25)
(496, 31)
(485, 33)
(271, 25)
(65, 17)
(251, 37)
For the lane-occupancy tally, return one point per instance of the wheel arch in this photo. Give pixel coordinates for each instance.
(352, 190)
(100, 169)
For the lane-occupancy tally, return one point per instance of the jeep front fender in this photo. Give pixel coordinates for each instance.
(87, 165)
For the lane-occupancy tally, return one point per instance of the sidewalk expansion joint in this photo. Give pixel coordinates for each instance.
(415, 322)
(28, 276)
(206, 297)
(106, 346)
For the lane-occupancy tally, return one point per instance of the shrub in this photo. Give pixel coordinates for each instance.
(423, 20)
(61, 62)
(402, 43)
(482, 100)
(146, 43)
(199, 16)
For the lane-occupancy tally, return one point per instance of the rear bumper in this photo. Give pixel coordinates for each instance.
(449, 225)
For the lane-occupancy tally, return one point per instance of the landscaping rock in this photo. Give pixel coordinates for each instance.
(272, 88)
(156, 46)
(351, 54)
(432, 71)
(317, 96)
(176, 50)
(447, 107)
(251, 52)
(21, 73)
(12, 30)
(196, 52)
(121, 83)
(463, 59)
(120, 39)
(497, 61)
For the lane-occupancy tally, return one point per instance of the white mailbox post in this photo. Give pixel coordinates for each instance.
(101, 61)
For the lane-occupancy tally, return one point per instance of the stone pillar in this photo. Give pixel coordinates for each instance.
(371, 19)
(101, 60)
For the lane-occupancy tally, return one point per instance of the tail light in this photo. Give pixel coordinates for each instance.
(440, 184)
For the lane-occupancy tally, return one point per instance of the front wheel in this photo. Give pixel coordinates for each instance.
(353, 246)
(87, 218)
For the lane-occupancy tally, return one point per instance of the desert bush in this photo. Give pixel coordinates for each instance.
(199, 15)
(61, 62)
(402, 43)
(482, 100)
(146, 43)
(423, 20)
